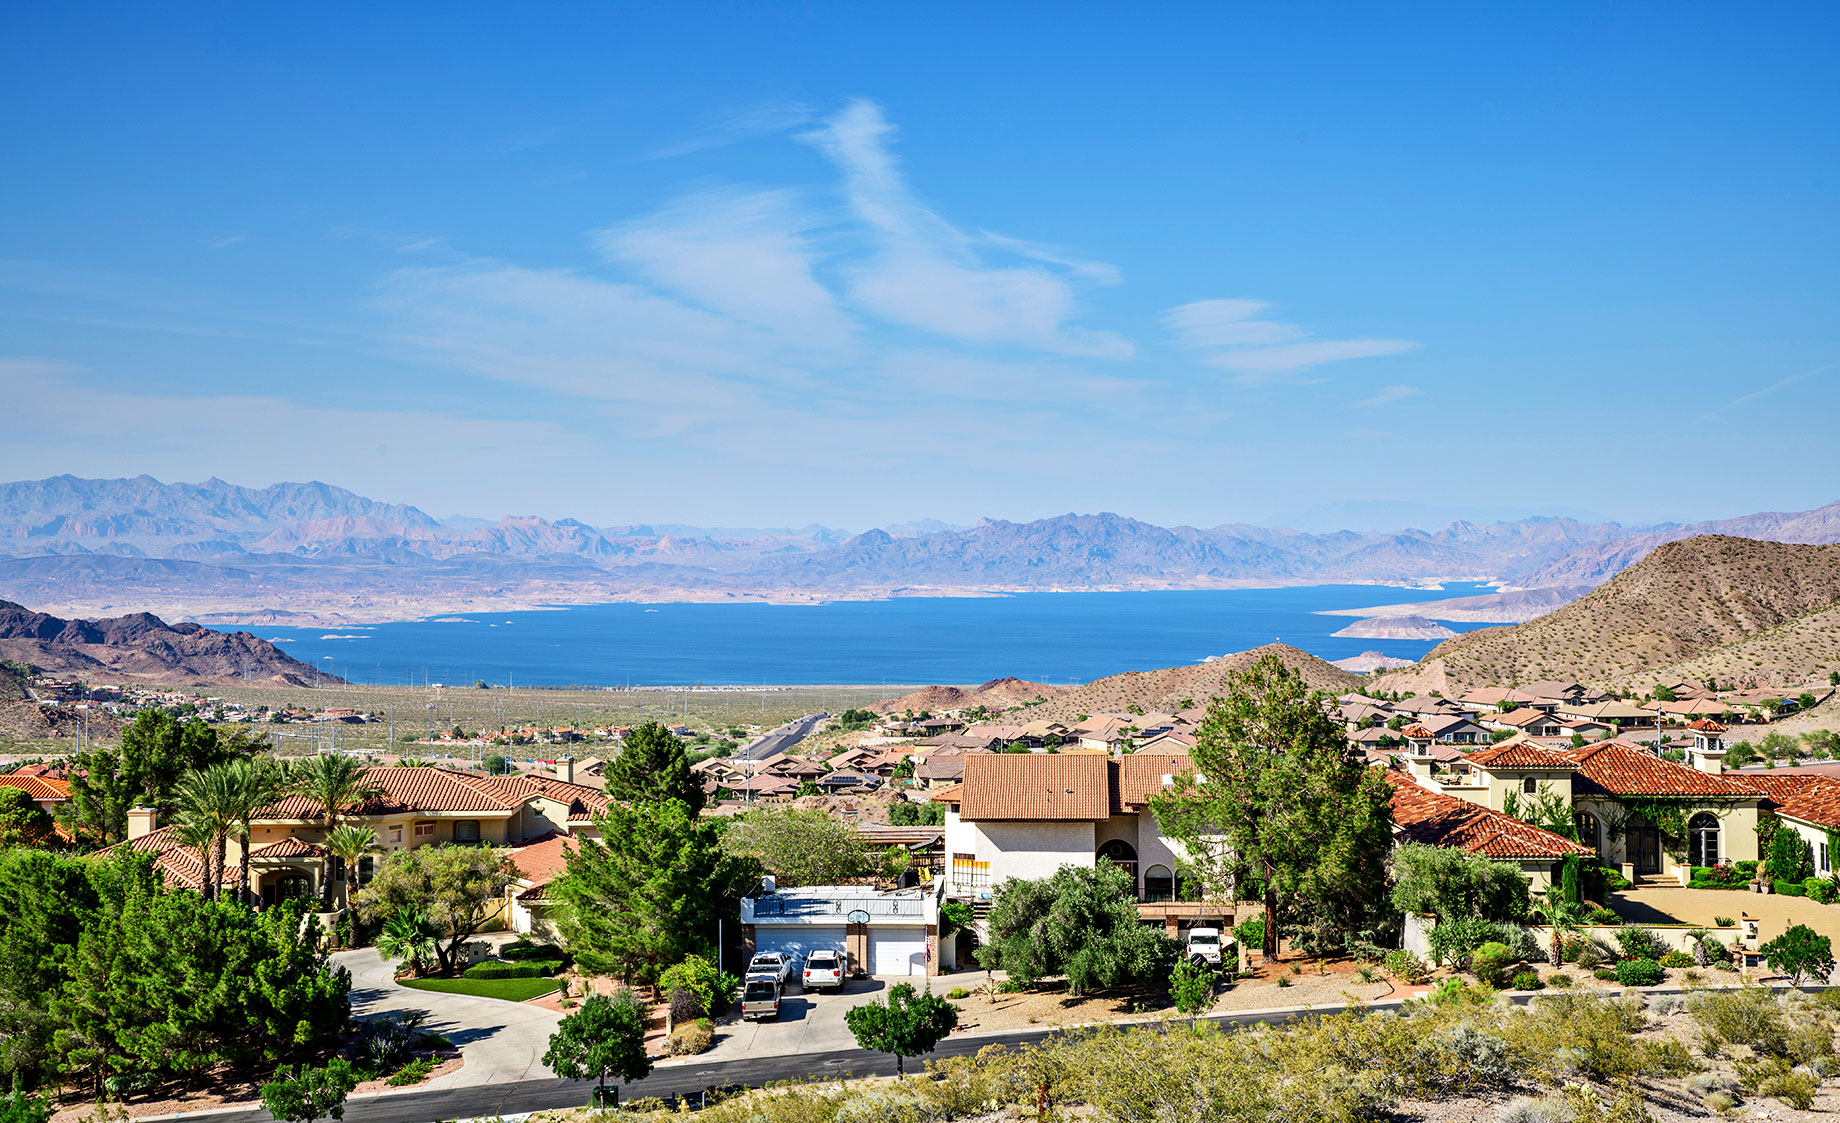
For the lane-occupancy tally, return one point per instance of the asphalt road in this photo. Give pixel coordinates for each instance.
(491, 1100)
(781, 739)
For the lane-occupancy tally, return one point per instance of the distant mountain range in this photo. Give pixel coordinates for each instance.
(216, 551)
(143, 648)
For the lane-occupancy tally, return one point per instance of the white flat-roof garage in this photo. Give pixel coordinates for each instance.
(894, 933)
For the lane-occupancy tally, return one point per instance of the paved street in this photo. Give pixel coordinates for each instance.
(501, 1041)
(781, 739)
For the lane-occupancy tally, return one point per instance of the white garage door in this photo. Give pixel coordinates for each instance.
(897, 951)
(795, 940)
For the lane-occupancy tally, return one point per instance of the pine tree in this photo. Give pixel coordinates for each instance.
(652, 767)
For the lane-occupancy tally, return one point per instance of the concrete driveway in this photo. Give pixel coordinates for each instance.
(1775, 915)
(501, 1041)
(808, 1023)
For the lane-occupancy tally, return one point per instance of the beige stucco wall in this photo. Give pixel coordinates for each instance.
(1033, 850)
(1737, 832)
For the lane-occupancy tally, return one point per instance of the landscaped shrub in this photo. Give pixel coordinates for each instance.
(1526, 980)
(958, 992)
(1791, 858)
(1403, 965)
(412, 1073)
(1558, 979)
(1250, 933)
(1525, 946)
(1676, 958)
(1789, 889)
(1452, 941)
(1819, 889)
(1602, 916)
(499, 969)
(1490, 962)
(1590, 956)
(1719, 877)
(526, 949)
(1639, 972)
(1640, 943)
(1605, 974)
(689, 1039)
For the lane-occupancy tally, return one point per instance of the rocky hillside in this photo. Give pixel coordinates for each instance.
(143, 648)
(1172, 687)
(997, 694)
(1687, 600)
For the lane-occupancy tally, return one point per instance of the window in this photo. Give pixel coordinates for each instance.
(1825, 868)
(1588, 832)
(1703, 839)
(1530, 787)
(396, 836)
(424, 830)
(1159, 884)
(968, 874)
(466, 830)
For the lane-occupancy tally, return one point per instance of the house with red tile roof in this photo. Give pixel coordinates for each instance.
(1436, 819)
(407, 807)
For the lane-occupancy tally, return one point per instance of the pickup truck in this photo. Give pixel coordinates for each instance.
(823, 968)
(760, 997)
(771, 963)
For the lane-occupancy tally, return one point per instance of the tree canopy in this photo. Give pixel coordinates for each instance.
(1457, 885)
(653, 766)
(22, 822)
(1079, 922)
(1278, 808)
(459, 888)
(606, 1035)
(907, 1025)
(649, 890)
(801, 847)
(144, 768)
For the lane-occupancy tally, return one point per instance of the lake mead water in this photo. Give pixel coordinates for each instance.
(1046, 637)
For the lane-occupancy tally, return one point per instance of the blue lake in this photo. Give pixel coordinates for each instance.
(1046, 637)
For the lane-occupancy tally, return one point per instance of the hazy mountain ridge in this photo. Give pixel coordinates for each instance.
(141, 647)
(218, 548)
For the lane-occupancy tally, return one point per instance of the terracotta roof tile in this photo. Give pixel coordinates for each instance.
(1066, 787)
(1417, 731)
(290, 848)
(1519, 754)
(1140, 775)
(41, 789)
(406, 790)
(1618, 768)
(1818, 804)
(1705, 725)
(541, 861)
(1783, 787)
(1423, 815)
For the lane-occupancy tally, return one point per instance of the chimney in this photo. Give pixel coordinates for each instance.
(1708, 752)
(140, 821)
(567, 769)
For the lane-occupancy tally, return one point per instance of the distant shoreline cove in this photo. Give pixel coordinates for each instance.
(1056, 638)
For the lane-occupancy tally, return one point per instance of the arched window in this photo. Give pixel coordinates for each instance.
(1588, 832)
(1159, 884)
(1123, 855)
(1703, 839)
(1530, 786)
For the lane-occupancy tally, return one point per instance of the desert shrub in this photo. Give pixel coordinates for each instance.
(1402, 964)
(1481, 1055)
(1525, 1110)
(689, 1038)
(1566, 1034)
(1639, 972)
(1524, 945)
(1527, 980)
(1589, 955)
(1676, 958)
(1745, 1016)
(1490, 962)
(958, 992)
(412, 1073)
(1585, 1104)
(1607, 974)
(1558, 979)
(1640, 943)
(1776, 1078)
(1719, 1102)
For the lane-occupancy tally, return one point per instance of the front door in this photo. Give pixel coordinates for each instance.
(1645, 847)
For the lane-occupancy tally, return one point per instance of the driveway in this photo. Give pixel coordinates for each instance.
(501, 1041)
(807, 1023)
(1775, 915)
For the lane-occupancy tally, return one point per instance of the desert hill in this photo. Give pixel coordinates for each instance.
(143, 648)
(1169, 688)
(1685, 600)
(997, 694)
(1805, 649)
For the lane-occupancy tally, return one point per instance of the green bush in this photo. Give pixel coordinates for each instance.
(1640, 943)
(525, 949)
(1250, 933)
(1527, 980)
(1602, 916)
(1452, 941)
(1558, 979)
(499, 969)
(1605, 974)
(412, 1073)
(1403, 965)
(1676, 958)
(958, 992)
(1819, 889)
(1791, 858)
(1639, 972)
(1489, 962)
(1789, 889)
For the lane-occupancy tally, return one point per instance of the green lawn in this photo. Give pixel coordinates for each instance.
(511, 990)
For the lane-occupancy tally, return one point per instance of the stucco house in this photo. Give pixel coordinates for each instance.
(1431, 817)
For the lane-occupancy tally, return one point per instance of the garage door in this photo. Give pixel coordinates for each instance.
(897, 951)
(795, 940)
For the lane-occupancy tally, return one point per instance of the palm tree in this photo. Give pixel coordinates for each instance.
(332, 782)
(208, 808)
(197, 834)
(409, 935)
(350, 843)
(1563, 915)
(257, 784)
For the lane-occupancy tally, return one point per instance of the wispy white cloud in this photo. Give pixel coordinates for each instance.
(747, 254)
(925, 273)
(1389, 395)
(755, 121)
(1781, 384)
(1233, 337)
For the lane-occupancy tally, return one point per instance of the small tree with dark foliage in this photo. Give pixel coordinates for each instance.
(1800, 951)
(304, 1094)
(907, 1025)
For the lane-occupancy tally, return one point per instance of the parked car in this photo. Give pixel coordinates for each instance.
(823, 968)
(760, 997)
(1205, 947)
(771, 963)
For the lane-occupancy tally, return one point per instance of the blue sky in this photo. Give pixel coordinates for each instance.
(853, 264)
